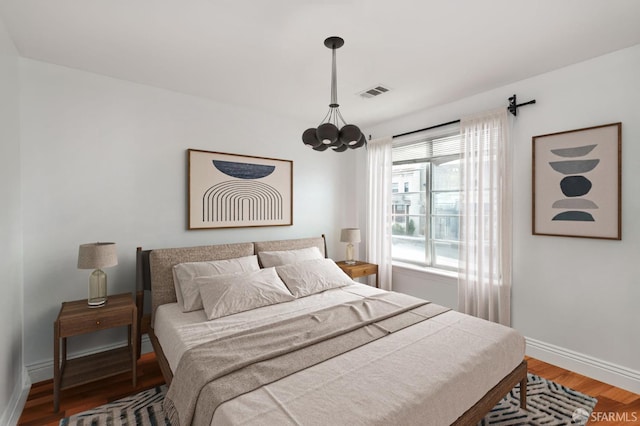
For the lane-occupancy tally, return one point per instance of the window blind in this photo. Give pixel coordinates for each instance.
(426, 150)
(426, 146)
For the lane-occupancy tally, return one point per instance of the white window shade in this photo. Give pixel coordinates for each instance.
(426, 145)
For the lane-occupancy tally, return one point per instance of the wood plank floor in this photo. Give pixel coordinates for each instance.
(615, 406)
(38, 410)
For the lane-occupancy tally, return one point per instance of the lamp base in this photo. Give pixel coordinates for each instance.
(97, 289)
(97, 303)
(349, 255)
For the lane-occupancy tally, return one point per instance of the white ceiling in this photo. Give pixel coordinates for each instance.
(269, 54)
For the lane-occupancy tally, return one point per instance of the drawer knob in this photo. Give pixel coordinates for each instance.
(98, 322)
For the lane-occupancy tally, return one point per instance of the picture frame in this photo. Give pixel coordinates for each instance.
(237, 191)
(577, 183)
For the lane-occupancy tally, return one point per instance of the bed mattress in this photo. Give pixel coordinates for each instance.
(427, 374)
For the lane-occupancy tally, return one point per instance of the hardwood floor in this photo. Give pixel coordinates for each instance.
(615, 406)
(38, 410)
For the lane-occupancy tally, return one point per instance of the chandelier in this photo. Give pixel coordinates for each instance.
(328, 133)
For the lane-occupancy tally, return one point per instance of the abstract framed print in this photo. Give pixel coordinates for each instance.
(233, 191)
(576, 183)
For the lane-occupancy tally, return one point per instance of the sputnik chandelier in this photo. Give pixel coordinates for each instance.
(327, 134)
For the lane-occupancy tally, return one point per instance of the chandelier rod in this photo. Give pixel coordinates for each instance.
(334, 78)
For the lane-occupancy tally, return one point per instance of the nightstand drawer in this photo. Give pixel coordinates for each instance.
(71, 326)
(359, 269)
(365, 270)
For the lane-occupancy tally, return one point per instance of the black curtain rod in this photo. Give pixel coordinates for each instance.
(513, 109)
(426, 128)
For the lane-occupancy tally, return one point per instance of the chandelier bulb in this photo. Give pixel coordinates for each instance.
(350, 134)
(327, 133)
(310, 138)
(340, 148)
(361, 142)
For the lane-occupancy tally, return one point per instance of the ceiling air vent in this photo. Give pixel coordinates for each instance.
(374, 91)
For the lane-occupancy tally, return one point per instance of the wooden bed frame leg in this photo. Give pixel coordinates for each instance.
(480, 409)
(523, 392)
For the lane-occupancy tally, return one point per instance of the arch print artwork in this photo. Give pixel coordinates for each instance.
(231, 191)
(576, 183)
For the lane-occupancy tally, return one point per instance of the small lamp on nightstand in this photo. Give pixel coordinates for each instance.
(350, 236)
(97, 256)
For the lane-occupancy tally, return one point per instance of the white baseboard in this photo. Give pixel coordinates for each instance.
(41, 371)
(14, 408)
(594, 368)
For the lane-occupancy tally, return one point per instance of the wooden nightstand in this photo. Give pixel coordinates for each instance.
(359, 269)
(78, 318)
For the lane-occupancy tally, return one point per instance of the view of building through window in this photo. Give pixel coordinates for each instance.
(426, 203)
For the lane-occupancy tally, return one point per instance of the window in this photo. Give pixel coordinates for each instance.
(426, 216)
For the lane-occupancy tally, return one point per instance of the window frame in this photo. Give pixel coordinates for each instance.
(429, 162)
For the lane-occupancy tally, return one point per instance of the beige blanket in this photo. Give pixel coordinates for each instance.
(220, 370)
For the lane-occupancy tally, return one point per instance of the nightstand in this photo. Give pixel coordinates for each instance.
(359, 269)
(77, 318)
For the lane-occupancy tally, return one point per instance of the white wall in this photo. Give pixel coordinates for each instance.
(575, 299)
(11, 369)
(105, 160)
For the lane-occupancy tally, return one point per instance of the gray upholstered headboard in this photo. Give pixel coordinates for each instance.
(292, 245)
(154, 268)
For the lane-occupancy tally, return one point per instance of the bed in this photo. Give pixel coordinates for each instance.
(356, 354)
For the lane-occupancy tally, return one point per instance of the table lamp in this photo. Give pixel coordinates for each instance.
(350, 236)
(96, 256)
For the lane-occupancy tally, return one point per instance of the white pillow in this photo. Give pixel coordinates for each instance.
(285, 257)
(224, 295)
(312, 276)
(184, 275)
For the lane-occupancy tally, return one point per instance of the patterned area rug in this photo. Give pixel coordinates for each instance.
(549, 404)
(143, 409)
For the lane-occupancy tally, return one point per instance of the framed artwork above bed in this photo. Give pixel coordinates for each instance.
(234, 191)
(576, 183)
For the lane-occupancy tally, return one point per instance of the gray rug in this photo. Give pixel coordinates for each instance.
(143, 409)
(548, 404)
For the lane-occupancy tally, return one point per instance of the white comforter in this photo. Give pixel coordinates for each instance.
(427, 374)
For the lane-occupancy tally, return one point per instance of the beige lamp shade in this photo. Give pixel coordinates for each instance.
(350, 235)
(97, 255)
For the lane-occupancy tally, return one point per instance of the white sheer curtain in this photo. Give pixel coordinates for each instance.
(379, 166)
(484, 285)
